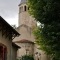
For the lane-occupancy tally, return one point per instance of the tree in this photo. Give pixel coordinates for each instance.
(27, 57)
(47, 12)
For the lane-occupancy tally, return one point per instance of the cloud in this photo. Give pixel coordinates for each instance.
(13, 20)
(9, 9)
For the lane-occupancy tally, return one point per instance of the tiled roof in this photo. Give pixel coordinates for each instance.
(7, 29)
(24, 41)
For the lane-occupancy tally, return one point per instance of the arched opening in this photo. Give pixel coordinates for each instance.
(3, 52)
(25, 8)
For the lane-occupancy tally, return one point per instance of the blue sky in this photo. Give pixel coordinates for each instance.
(9, 11)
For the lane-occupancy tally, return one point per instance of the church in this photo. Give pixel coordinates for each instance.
(26, 40)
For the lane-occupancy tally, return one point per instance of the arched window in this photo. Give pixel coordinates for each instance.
(25, 8)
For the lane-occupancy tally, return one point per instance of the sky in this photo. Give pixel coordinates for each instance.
(9, 11)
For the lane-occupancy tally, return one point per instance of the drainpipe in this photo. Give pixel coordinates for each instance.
(11, 51)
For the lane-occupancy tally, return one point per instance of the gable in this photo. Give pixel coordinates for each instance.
(24, 28)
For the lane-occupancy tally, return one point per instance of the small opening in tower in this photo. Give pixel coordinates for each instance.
(24, 8)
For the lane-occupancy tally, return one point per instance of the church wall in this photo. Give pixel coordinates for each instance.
(25, 18)
(25, 46)
(26, 33)
(40, 54)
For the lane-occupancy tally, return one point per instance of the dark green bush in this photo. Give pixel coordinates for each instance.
(27, 57)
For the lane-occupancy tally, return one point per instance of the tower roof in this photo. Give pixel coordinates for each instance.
(24, 41)
(23, 1)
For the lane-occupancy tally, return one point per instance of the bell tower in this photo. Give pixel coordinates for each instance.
(26, 39)
(24, 16)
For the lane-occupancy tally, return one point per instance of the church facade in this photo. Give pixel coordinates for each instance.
(27, 40)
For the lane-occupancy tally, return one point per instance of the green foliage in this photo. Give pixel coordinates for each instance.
(48, 13)
(27, 57)
(45, 11)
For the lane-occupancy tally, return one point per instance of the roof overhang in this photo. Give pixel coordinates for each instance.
(24, 41)
(7, 30)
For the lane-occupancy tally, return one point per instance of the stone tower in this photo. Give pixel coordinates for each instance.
(24, 17)
(26, 39)
(26, 23)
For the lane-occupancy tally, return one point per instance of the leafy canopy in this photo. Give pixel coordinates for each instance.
(47, 12)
